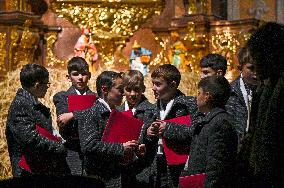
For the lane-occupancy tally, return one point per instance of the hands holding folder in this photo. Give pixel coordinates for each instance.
(125, 129)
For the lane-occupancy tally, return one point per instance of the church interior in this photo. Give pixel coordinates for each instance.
(47, 31)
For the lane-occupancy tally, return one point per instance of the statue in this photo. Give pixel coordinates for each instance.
(85, 48)
(177, 52)
(140, 58)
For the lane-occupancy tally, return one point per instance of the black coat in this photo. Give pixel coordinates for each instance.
(101, 158)
(139, 173)
(70, 131)
(182, 106)
(213, 147)
(236, 106)
(43, 155)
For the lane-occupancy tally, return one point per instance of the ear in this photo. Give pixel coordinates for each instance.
(68, 77)
(220, 72)
(105, 90)
(89, 75)
(173, 84)
(207, 96)
(143, 88)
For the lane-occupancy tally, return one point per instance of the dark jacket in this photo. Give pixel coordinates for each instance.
(139, 173)
(236, 106)
(182, 105)
(213, 147)
(43, 155)
(101, 158)
(70, 131)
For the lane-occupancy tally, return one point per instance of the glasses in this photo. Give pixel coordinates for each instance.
(47, 84)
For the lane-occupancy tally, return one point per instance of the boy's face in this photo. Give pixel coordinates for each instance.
(79, 79)
(133, 94)
(202, 99)
(208, 71)
(162, 90)
(115, 93)
(249, 74)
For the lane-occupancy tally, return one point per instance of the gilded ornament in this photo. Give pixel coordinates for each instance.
(3, 52)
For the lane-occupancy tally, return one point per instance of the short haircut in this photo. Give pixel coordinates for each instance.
(31, 74)
(106, 78)
(168, 72)
(244, 56)
(267, 49)
(133, 78)
(218, 87)
(77, 64)
(214, 61)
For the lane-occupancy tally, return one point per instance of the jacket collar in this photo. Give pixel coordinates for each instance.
(28, 96)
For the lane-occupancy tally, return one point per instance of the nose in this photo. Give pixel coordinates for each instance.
(202, 76)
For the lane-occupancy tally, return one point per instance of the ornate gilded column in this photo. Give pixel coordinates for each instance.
(21, 33)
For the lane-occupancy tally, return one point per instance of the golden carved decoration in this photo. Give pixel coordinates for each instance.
(110, 21)
(19, 5)
(227, 43)
(51, 60)
(14, 36)
(3, 52)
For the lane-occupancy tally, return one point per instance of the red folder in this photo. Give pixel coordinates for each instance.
(174, 158)
(193, 181)
(42, 131)
(128, 113)
(121, 128)
(80, 102)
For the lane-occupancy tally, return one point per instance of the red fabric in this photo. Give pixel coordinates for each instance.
(121, 128)
(174, 158)
(80, 102)
(43, 132)
(128, 113)
(193, 181)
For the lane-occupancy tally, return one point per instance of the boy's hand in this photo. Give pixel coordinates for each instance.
(129, 148)
(141, 150)
(63, 119)
(162, 126)
(153, 130)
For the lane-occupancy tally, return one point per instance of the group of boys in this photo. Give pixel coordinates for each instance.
(212, 136)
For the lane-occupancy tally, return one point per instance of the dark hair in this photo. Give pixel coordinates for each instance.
(106, 78)
(168, 72)
(214, 61)
(31, 74)
(218, 87)
(267, 49)
(244, 56)
(77, 64)
(133, 78)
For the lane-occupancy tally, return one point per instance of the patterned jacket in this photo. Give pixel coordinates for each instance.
(101, 158)
(182, 105)
(43, 155)
(140, 173)
(213, 147)
(236, 106)
(70, 131)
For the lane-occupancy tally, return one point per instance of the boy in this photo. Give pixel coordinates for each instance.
(239, 103)
(44, 156)
(213, 139)
(213, 64)
(171, 103)
(103, 159)
(78, 75)
(138, 174)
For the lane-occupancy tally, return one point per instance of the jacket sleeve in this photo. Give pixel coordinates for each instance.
(221, 154)
(60, 102)
(24, 130)
(90, 134)
(234, 108)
